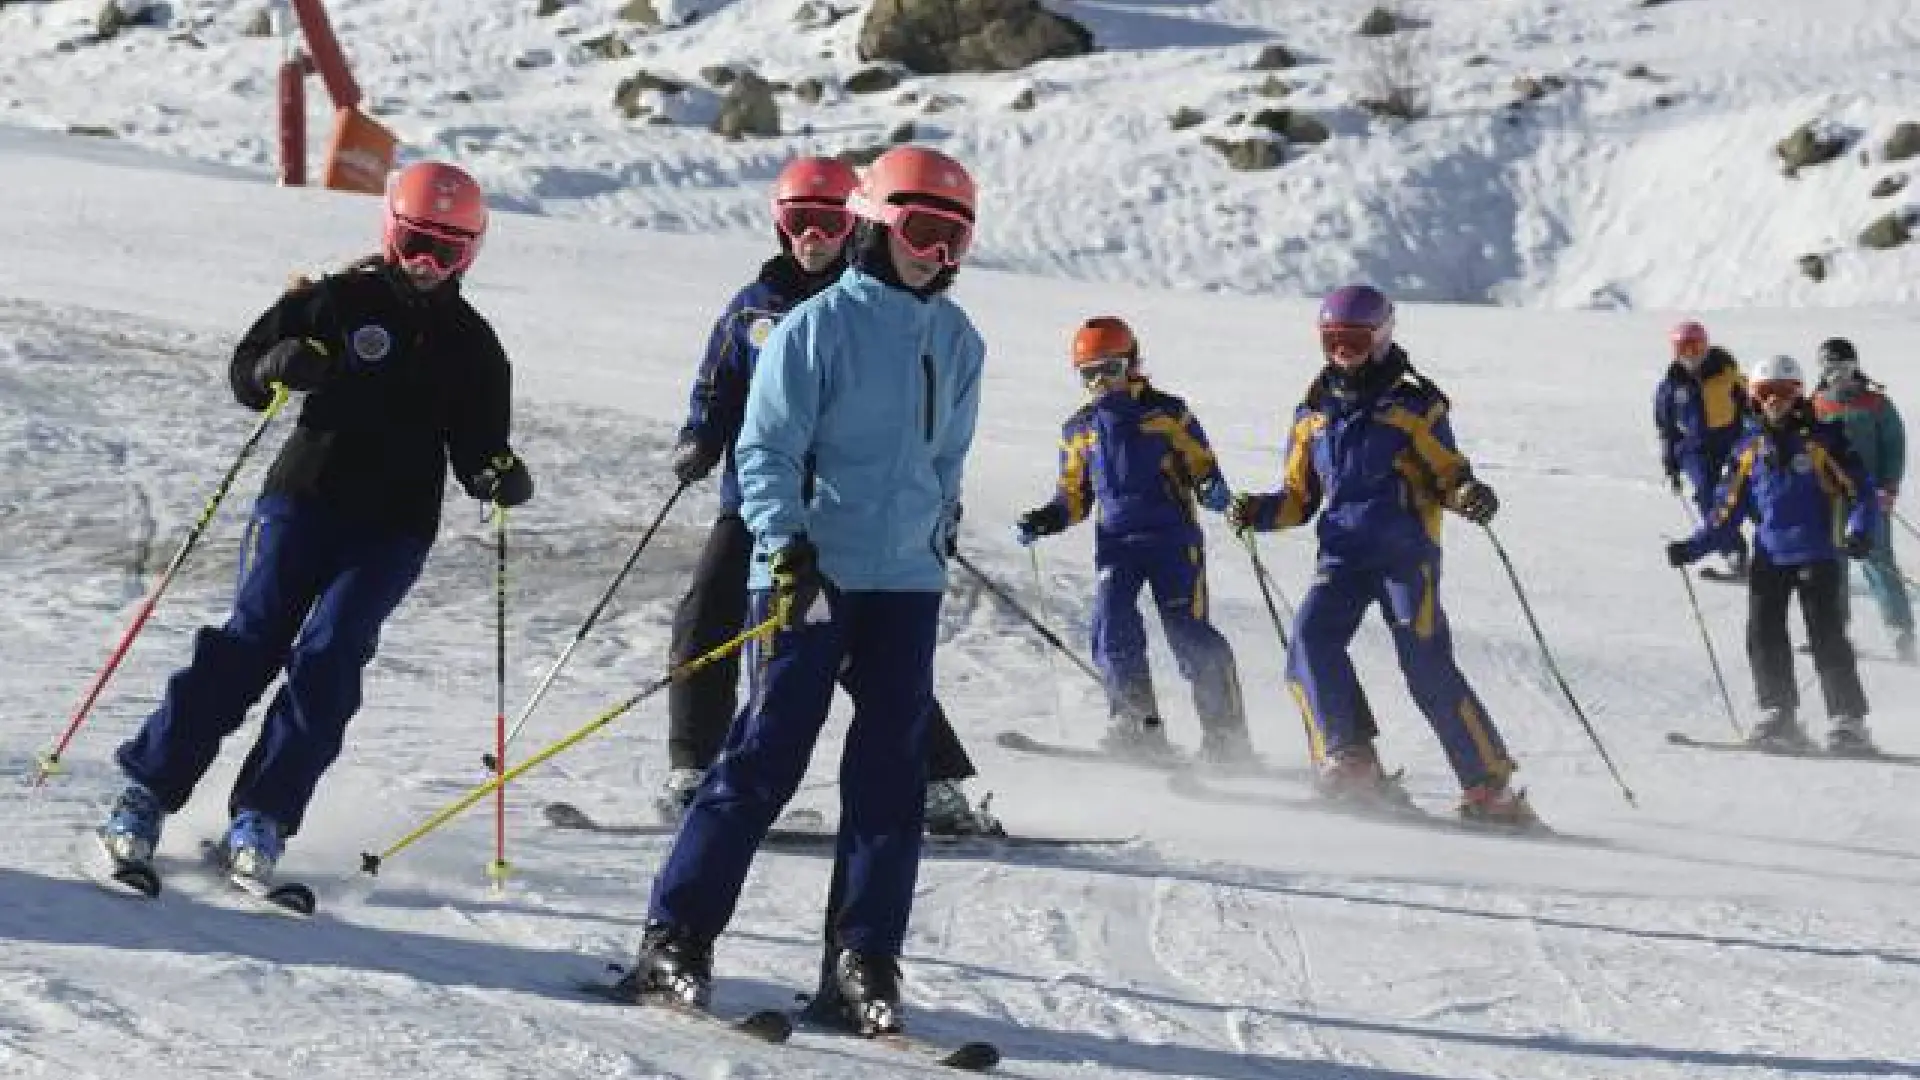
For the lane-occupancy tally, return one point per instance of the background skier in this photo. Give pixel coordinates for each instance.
(1372, 452)
(1795, 475)
(1698, 409)
(1135, 458)
(1875, 432)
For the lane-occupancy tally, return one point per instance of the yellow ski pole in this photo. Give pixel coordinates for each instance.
(371, 863)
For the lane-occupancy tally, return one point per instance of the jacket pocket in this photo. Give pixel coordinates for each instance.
(927, 400)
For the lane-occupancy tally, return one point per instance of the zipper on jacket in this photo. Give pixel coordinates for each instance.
(926, 368)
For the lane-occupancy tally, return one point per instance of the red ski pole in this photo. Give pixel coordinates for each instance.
(50, 761)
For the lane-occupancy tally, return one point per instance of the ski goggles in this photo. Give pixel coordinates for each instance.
(1840, 370)
(1104, 368)
(1338, 339)
(447, 251)
(1774, 390)
(830, 222)
(928, 232)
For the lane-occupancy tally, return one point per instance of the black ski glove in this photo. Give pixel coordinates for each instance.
(693, 459)
(505, 481)
(1679, 553)
(1859, 545)
(796, 579)
(1040, 521)
(296, 363)
(1476, 502)
(947, 534)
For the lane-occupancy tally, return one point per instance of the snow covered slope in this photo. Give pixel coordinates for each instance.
(1647, 179)
(1751, 918)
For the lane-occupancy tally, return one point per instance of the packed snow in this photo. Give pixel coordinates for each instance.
(1749, 917)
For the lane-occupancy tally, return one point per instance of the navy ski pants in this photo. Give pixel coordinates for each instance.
(884, 641)
(1177, 573)
(1321, 674)
(314, 591)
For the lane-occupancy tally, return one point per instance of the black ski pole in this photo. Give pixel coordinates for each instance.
(1267, 588)
(1693, 601)
(1554, 668)
(1020, 609)
(606, 597)
(1904, 523)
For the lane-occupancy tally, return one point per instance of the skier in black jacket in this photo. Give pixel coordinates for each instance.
(401, 376)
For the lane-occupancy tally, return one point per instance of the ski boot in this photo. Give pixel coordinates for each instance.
(1228, 746)
(1779, 733)
(672, 964)
(1352, 774)
(252, 846)
(865, 991)
(1848, 736)
(676, 793)
(1903, 647)
(1493, 802)
(949, 813)
(1144, 739)
(132, 829)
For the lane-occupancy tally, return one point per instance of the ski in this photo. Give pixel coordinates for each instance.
(1814, 753)
(974, 1056)
(121, 877)
(1380, 812)
(281, 898)
(563, 815)
(770, 1026)
(1170, 762)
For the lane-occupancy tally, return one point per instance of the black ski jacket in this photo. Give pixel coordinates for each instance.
(423, 383)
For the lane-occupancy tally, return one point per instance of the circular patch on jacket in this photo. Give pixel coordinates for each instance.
(1802, 463)
(759, 330)
(1680, 395)
(372, 343)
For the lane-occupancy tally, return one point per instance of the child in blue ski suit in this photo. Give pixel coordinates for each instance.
(813, 225)
(1876, 433)
(1801, 482)
(402, 377)
(1698, 409)
(850, 457)
(1372, 452)
(1134, 458)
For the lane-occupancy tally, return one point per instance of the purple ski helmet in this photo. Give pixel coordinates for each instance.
(1356, 324)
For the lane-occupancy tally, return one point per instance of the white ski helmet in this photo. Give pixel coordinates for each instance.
(1778, 369)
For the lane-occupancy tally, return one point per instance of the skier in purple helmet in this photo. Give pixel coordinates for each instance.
(1372, 452)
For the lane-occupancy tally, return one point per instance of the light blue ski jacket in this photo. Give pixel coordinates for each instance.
(857, 426)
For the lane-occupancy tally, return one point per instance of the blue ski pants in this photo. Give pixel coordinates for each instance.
(1320, 673)
(879, 646)
(314, 591)
(1177, 574)
(1884, 580)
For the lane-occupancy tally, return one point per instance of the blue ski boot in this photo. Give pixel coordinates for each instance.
(132, 828)
(253, 845)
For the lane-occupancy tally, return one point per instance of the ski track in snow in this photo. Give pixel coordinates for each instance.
(1751, 918)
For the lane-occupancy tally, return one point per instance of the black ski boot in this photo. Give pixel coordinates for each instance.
(865, 991)
(672, 963)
